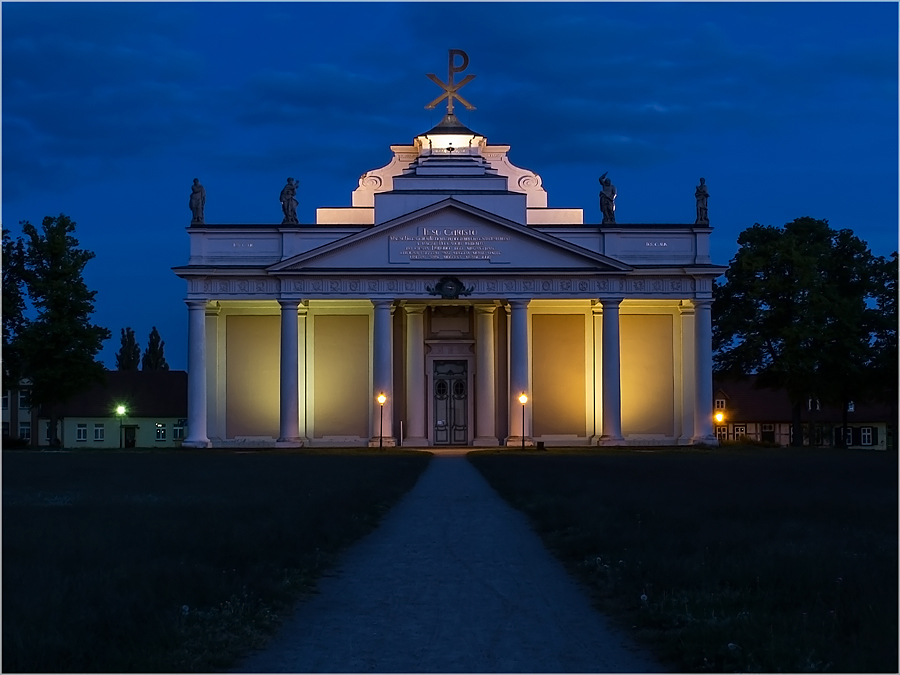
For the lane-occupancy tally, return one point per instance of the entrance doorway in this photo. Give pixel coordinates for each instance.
(130, 436)
(451, 403)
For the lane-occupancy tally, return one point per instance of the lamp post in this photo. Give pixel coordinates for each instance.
(523, 399)
(719, 417)
(120, 412)
(381, 399)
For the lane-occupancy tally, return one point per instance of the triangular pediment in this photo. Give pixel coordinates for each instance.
(446, 236)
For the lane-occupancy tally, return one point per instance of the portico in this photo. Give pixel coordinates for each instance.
(451, 288)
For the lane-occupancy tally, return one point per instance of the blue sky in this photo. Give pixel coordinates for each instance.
(110, 110)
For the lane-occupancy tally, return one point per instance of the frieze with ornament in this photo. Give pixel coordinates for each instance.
(537, 287)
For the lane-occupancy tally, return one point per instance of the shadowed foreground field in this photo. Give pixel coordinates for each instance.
(726, 560)
(173, 561)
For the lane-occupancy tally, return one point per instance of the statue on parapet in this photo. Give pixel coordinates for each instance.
(197, 202)
(289, 202)
(702, 195)
(607, 200)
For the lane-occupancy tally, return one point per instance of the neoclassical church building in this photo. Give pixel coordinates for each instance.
(448, 305)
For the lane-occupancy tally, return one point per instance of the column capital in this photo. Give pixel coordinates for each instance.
(382, 304)
(415, 309)
(614, 301)
(519, 303)
(289, 304)
(701, 302)
(193, 303)
(485, 309)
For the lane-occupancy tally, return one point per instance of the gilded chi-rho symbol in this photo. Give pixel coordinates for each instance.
(450, 89)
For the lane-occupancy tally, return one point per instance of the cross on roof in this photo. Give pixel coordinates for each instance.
(451, 89)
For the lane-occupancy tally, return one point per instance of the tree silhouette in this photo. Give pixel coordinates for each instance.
(129, 355)
(154, 357)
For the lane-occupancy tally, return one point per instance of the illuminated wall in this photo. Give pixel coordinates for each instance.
(647, 373)
(341, 397)
(252, 381)
(558, 372)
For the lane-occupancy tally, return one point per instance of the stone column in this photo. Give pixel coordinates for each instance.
(196, 431)
(518, 375)
(289, 427)
(688, 372)
(703, 431)
(597, 370)
(612, 376)
(302, 377)
(382, 377)
(485, 386)
(415, 377)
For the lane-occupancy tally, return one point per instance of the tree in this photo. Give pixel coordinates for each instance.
(129, 355)
(60, 345)
(13, 309)
(154, 358)
(794, 310)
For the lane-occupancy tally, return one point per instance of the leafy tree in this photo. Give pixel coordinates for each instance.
(794, 310)
(154, 357)
(60, 345)
(13, 309)
(129, 354)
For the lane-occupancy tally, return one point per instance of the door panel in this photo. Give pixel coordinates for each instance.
(451, 426)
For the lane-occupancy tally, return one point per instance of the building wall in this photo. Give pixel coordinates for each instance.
(145, 432)
(647, 374)
(558, 374)
(341, 383)
(252, 380)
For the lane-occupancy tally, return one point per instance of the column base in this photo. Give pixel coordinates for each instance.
(517, 442)
(705, 440)
(610, 440)
(416, 442)
(487, 441)
(196, 443)
(292, 442)
(383, 442)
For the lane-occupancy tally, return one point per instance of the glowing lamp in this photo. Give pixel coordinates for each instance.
(719, 417)
(120, 410)
(523, 399)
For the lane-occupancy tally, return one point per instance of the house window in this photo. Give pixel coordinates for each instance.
(24, 399)
(99, 432)
(851, 406)
(25, 431)
(722, 433)
(5, 400)
(865, 435)
(81, 432)
(160, 431)
(740, 430)
(767, 433)
(768, 427)
(178, 431)
(720, 404)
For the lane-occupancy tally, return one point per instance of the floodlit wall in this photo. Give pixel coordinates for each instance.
(341, 379)
(558, 374)
(253, 354)
(647, 371)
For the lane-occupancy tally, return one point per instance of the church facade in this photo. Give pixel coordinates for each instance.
(448, 305)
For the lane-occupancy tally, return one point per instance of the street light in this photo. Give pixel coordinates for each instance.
(523, 399)
(120, 411)
(719, 417)
(381, 399)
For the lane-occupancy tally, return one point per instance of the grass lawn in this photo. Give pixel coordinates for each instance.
(737, 559)
(178, 560)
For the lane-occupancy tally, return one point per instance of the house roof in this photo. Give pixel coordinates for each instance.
(143, 393)
(744, 402)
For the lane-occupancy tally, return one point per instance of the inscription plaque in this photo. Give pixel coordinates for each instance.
(447, 243)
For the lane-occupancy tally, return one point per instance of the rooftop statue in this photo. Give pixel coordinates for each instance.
(607, 200)
(197, 202)
(289, 202)
(702, 195)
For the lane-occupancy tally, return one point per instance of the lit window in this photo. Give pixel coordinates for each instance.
(99, 432)
(851, 406)
(24, 399)
(865, 436)
(25, 431)
(722, 433)
(178, 432)
(160, 431)
(720, 404)
(81, 432)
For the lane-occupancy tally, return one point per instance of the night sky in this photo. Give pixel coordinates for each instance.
(111, 109)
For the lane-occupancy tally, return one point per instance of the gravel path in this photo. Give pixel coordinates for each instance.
(454, 580)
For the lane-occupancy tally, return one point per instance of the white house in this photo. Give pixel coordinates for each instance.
(449, 287)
